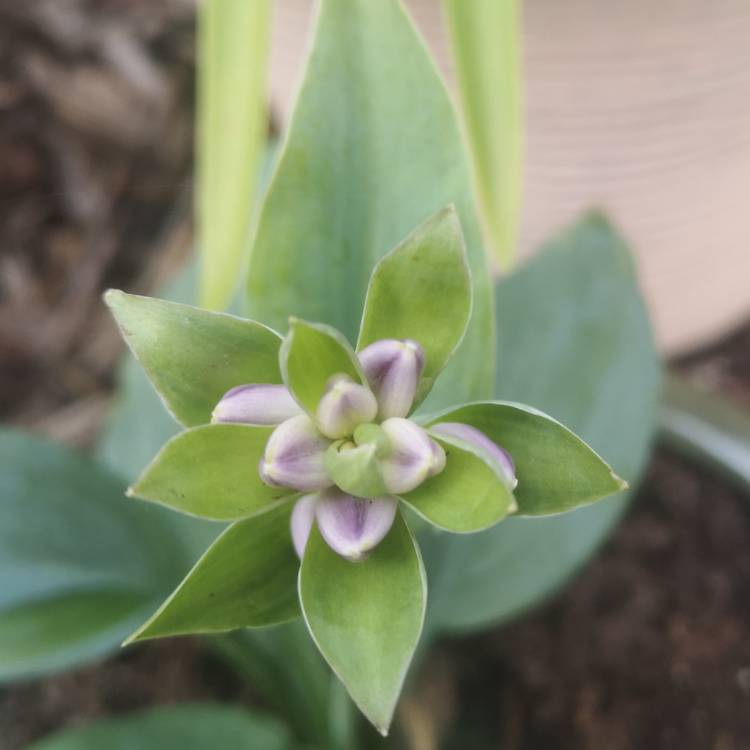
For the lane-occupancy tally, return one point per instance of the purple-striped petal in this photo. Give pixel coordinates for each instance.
(344, 406)
(295, 456)
(261, 403)
(413, 457)
(393, 368)
(500, 458)
(301, 521)
(352, 526)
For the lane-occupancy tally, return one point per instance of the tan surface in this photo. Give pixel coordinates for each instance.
(641, 108)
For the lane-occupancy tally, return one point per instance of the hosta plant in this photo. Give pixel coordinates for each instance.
(314, 448)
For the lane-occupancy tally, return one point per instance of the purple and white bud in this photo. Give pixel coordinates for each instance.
(263, 403)
(352, 526)
(344, 405)
(499, 457)
(295, 456)
(301, 521)
(393, 369)
(413, 458)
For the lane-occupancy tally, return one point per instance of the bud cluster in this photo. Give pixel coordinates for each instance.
(357, 452)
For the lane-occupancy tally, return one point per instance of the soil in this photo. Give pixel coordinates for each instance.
(648, 648)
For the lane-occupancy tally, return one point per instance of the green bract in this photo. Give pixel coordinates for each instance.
(355, 453)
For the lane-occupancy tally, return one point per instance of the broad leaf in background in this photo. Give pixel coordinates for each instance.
(366, 618)
(79, 565)
(486, 37)
(200, 726)
(357, 175)
(574, 340)
(233, 40)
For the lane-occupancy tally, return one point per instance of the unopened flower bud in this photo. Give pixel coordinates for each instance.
(393, 369)
(344, 406)
(256, 404)
(500, 459)
(413, 458)
(301, 521)
(295, 456)
(352, 526)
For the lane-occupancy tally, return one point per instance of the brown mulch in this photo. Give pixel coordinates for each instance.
(95, 152)
(649, 648)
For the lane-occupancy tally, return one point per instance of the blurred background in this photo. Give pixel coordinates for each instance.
(641, 109)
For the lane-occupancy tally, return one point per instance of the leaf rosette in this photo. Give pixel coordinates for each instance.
(313, 449)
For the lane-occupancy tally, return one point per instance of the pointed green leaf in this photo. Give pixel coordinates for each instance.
(486, 46)
(185, 727)
(556, 470)
(466, 496)
(421, 290)
(373, 149)
(246, 578)
(193, 356)
(233, 47)
(366, 617)
(310, 355)
(211, 472)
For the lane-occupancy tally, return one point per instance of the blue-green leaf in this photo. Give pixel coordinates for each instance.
(373, 149)
(188, 727)
(79, 565)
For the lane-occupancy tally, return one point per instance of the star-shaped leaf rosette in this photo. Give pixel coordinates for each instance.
(315, 451)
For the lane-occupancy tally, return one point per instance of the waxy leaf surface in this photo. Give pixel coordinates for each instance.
(185, 727)
(366, 617)
(310, 355)
(373, 149)
(79, 565)
(556, 470)
(211, 472)
(192, 356)
(421, 290)
(246, 578)
(466, 496)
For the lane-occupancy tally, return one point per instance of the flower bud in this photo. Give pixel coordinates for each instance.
(500, 459)
(256, 404)
(393, 368)
(413, 458)
(344, 405)
(352, 526)
(301, 521)
(295, 456)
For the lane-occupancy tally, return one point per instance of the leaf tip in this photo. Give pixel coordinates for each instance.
(112, 297)
(622, 485)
